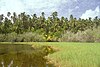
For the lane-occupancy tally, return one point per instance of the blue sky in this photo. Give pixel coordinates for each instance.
(79, 8)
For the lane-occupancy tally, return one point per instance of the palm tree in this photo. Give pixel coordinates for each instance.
(96, 22)
(1, 17)
(8, 14)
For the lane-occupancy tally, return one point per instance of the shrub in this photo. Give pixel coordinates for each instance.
(97, 34)
(19, 38)
(10, 37)
(25, 37)
(85, 36)
(30, 37)
(68, 37)
(2, 37)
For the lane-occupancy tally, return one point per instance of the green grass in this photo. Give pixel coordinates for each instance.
(73, 54)
(77, 54)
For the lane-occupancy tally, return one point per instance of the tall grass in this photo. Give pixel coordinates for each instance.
(77, 55)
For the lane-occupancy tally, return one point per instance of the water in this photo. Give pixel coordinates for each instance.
(23, 56)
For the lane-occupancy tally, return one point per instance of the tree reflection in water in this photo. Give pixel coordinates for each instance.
(22, 56)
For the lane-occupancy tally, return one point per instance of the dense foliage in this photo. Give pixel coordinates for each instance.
(47, 29)
(84, 36)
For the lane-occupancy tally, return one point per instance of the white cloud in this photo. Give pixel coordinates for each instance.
(29, 5)
(76, 7)
(75, 0)
(91, 13)
(33, 6)
(42, 5)
(11, 6)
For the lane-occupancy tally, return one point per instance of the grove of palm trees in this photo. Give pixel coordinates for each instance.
(32, 28)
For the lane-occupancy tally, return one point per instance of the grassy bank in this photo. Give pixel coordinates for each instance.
(72, 54)
(77, 54)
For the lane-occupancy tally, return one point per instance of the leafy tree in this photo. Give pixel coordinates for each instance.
(51, 28)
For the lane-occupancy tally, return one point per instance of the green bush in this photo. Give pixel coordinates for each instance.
(2, 37)
(68, 37)
(97, 34)
(19, 38)
(85, 36)
(30, 37)
(25, 37)
(81, 36)
(10, 37)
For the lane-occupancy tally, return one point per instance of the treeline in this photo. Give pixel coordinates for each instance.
(24, 27)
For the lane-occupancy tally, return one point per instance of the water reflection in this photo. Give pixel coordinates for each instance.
(22, 56)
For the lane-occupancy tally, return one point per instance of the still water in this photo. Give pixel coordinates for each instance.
(23, 56)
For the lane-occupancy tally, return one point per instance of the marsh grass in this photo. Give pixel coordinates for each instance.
(77, 55)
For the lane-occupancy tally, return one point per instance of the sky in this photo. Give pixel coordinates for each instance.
(78, 8)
